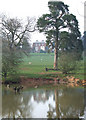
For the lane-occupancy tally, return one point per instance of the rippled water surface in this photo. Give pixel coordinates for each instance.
(45, 102)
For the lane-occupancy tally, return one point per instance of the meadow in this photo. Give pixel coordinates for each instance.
(33, 66)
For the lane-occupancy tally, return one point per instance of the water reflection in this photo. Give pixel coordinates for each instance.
(58, 102)
(69, 103)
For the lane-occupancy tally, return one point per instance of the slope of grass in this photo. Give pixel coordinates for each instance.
(34, 66)
(36, 63)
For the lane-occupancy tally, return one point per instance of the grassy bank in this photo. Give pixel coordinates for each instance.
(33, 66)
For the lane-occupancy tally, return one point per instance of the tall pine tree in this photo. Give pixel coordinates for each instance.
(53, 25)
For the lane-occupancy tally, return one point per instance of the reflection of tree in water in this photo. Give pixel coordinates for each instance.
(72, 102)
(26, 106)
(16, 105)
(42, 95)
(19, 105)
(85, 101)
(68, 104)
(50, 112)
(54, 112)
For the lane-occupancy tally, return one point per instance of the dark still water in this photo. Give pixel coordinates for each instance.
(46, 102)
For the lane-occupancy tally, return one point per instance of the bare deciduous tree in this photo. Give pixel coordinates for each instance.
(14, 34)
(14, 31)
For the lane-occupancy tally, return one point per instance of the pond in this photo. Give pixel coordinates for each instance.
(44, 102)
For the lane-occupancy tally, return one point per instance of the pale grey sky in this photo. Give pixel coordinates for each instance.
(35, 8)
(85, 16)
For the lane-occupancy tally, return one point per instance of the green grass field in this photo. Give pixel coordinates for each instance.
(34, 66)
(38, 62)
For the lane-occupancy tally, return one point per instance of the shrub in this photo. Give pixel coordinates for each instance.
(67, 62)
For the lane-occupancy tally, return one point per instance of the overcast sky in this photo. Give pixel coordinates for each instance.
(35, 8)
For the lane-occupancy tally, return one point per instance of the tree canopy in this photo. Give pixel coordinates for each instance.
(84, 42)
(61, 28)
(15, 36)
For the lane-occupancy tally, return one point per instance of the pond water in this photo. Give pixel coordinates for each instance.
(45, 102)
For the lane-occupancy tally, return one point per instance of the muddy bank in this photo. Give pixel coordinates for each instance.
(70, 80)
(41, 81)
(35, 81)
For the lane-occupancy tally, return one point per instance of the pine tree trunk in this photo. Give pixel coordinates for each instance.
(56, 56)
(57, 104)
(56, 49)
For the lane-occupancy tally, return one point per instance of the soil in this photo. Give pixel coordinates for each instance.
(35, 81)
(71, 81)
(32, 82)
